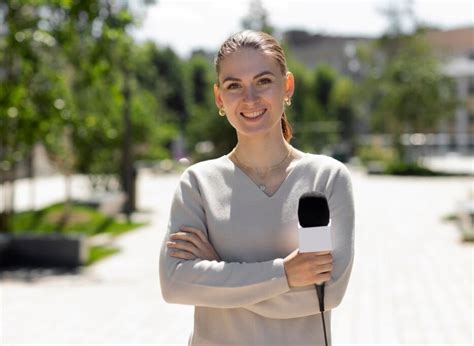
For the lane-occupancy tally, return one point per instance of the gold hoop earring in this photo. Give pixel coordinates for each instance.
(222, 112)
(287, 101)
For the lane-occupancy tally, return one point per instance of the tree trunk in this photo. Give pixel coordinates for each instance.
(127, 159)
(67, 211)
(31, 176)
(8, 200)
(399, 147)
(68, 187)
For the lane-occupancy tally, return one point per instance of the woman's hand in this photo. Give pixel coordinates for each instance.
(190, 243)
(303, 269)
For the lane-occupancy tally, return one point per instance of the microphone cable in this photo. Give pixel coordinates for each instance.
(320, 293)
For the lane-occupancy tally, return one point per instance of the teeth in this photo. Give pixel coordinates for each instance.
(254, 114)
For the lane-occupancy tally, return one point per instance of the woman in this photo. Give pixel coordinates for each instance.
(231, 247)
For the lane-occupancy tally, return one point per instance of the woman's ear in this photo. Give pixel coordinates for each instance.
(218, 97)
(289, 84)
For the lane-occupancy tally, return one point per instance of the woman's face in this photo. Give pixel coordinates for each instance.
(252, 91)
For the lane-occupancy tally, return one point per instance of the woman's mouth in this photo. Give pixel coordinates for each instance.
(253, 115)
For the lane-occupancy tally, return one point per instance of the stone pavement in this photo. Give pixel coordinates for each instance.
(412, 281)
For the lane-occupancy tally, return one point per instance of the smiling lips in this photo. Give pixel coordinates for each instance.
(253, 115)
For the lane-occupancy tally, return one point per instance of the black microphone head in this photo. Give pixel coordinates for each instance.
(313, 210)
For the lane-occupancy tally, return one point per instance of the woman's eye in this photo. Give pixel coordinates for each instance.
(233, 86)
(264, 81)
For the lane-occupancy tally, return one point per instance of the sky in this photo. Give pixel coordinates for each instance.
(185, 25)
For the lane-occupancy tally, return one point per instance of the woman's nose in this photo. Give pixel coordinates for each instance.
(250, 95)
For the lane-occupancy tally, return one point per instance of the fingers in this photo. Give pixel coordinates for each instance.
(182, 254)
(193, 235)
(313, 260)
(183, 246)
(324, 268)
(187, 237)
(197, 232)
(323, 259)
(193, 241)
(303, 269)
(323, 277)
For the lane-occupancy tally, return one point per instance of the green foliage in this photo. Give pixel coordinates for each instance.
(324, 81)
(322, 110)
(406, 90)
(201, 79)
(153, 126)
(31, 93)
(384, 160)
(80, 219)
(376, 153)
(304, 108)
(410, 169)
(412, 92)
(155, 123)
(169, 83)
(97, 253)
(342, 110)
(67, 65)
(204, 122)
(170, 67)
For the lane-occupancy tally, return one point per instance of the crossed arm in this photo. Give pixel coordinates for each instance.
(191, 271)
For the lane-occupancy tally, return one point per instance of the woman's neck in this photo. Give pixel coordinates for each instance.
(261, 153)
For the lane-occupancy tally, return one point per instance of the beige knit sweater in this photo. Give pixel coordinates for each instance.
(245, 298)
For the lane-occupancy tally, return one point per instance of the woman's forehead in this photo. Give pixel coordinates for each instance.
(247, 62)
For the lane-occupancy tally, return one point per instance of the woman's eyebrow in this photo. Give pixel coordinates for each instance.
(228, 79)
(263, 73)
(233, 79)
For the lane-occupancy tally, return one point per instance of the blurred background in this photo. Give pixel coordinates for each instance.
(103, 103)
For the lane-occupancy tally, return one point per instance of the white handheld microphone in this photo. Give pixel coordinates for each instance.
(315, 233)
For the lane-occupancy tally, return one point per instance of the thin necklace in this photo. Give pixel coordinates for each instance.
(271, 168)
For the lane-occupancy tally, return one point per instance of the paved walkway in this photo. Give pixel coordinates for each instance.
(412, 280)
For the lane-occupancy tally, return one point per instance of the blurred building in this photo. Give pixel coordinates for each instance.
(455, 50)
(339, 52)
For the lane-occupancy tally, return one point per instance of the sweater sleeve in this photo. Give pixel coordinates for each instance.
(303, 301)
(211, 283)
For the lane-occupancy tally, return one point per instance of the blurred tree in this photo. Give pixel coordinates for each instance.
(405, 88)
(95, 46)
(304, 111)
(66, 80)
(324, 80)
(174, 89)
(322, 110)
(326, 125)
(342, 110)
(31, 97)
(208, 134)
(109, 57)
(155, 125)
(257, 18)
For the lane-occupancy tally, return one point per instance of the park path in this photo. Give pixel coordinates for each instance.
(412, 280)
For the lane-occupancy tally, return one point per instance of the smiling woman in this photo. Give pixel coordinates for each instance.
(231, 248)
(253, 101)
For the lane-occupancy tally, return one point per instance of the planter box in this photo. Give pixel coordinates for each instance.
(45, 250)
(5, 240)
